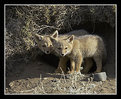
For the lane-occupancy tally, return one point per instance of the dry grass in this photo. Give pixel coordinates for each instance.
(63, 85)
(22, 21)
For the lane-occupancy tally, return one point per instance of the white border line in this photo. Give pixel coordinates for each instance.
(60, 5)
(116, 46)
(4, 50)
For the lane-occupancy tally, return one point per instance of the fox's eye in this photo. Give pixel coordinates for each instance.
(43, 46)
(66, 47)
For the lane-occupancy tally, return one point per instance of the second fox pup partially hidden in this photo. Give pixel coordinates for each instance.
(44, 43)
(77, 48)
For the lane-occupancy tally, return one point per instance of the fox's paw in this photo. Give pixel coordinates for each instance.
(70, 72)
(78, 73)
(58, 71)
(84, 72)
(97, 71)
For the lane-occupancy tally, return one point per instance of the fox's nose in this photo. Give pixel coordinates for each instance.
(47, 52)
(62, 54)
(50, 45)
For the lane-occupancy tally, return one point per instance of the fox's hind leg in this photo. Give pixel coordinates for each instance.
(98, 61)
(78, 63)
(87, 66)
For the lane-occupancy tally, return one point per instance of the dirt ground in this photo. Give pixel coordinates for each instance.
(39, 78)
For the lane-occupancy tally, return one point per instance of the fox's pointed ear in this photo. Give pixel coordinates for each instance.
(55, 35)
(38, 37)
(70, 39)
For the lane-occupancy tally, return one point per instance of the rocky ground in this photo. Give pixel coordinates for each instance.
(39, 78)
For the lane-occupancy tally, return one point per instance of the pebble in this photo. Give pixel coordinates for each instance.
(92, 85)
(113, 88)
(101, 82)
(45, 78)
(100, 76)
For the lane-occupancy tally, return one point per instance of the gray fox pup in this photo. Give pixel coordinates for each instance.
(78, 48)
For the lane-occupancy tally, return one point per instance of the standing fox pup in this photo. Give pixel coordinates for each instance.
(80, 47)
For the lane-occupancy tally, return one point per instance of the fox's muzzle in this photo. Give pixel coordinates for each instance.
(62, 55)
(47, 52)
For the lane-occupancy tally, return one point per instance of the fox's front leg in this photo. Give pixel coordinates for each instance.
(78, 63)
(62, 65)
(72, 69)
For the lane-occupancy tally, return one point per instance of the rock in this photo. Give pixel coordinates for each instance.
(100, 76)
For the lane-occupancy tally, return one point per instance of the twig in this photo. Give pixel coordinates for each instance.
(63, 74)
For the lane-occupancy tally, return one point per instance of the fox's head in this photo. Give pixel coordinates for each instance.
(62, 46)
(44, 43)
